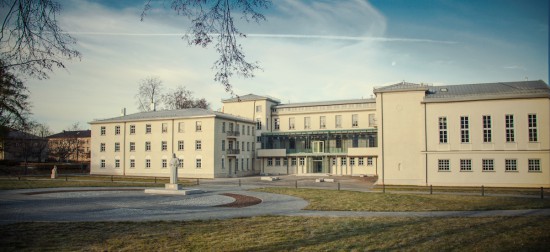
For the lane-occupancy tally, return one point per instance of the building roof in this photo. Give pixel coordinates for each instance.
(403, 86)
(72, 134)
(250, 97)
(171, 114)
(324, 103)
(499, 90)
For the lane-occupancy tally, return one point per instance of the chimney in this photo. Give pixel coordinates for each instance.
(153, 108)
(123, 112)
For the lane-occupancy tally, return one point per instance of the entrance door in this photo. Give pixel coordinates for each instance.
(317, 165)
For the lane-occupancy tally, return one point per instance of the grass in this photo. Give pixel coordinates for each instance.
(330, 200)
(270, 233)
(472, 190)
(30, 182)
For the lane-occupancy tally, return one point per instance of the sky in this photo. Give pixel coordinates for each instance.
(308, 51)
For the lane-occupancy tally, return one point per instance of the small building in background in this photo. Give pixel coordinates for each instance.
(70, 146)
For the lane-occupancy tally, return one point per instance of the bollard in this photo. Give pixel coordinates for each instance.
(482, 191)
(239, 182)
(66, 178)
(431, 189)
(338, 186)
(383, 188)
(541, 193)
(155, 180)
(296, 184)
(197, 181)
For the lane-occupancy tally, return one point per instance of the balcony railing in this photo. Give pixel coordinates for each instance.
(233, 151)
(233, 133)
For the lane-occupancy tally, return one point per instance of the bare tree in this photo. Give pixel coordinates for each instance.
(149, 93)
(14, 104)
(31, 40)
(213, 20)
(24, 145)
(181, 98)
(67, 145)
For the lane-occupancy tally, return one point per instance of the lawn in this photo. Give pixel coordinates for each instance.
(31, 182)
(328, 200)
(271, 233)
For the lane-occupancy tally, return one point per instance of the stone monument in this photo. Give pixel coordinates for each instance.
(54, 172)
(173, 187)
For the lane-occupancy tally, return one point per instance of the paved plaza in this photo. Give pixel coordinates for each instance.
(133, 204)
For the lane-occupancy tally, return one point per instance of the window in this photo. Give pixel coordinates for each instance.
(442, 129)
(259, 108)
(259, 123)
(181, 127)
(258, 139)
(132, 163)
(132, 146)
(510, 136)
(237, 145)
(510, 165)
(147, 163)
(333, 161)
(338, 121)
(242, 146)
(132, 129)
(338, 143)
(247, 168)
(355, 120)
(322, 122)
(223, 163)
(302, 161)
(487, 132)
(248, 130)
(443, 165)
(464, 129)
(361, 161)
(293, 161)
(117, 147)
(181, 163)
(198, 163)
(164, 146)
(369, 161)
(277, 123)
(291, 123)
(351, 161)
(236, 165)
(147, 146)
(534, 165)
(270, 162)
(102, 163)
(102, 147)
(164, 164)
(103, 130)
(532, 126)
(148, 129)
(372, 120)
(117, 163)
(307, 122)
(198, 145)
(198, 126)
(247, 146)
(223, 127)
(242, 164)
(180, 145)
(343, 161)
(242, 129)
(487, 165)
(465, 165)
(164, 127)
(285, 161)
(223, 145)
(277, 161)
(117, 130)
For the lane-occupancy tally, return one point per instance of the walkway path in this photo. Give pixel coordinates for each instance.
(132, 204)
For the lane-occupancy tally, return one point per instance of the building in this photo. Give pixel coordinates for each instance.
(492, 134)
(209, 144)
(16, 145)
(70, 146)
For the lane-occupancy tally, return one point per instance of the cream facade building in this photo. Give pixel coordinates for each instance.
(209, 144)
(492, 134)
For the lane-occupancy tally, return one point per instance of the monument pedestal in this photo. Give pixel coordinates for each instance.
(173, 189)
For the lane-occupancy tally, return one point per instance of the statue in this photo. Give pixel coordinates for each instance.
(174, 164)
(54, 172)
